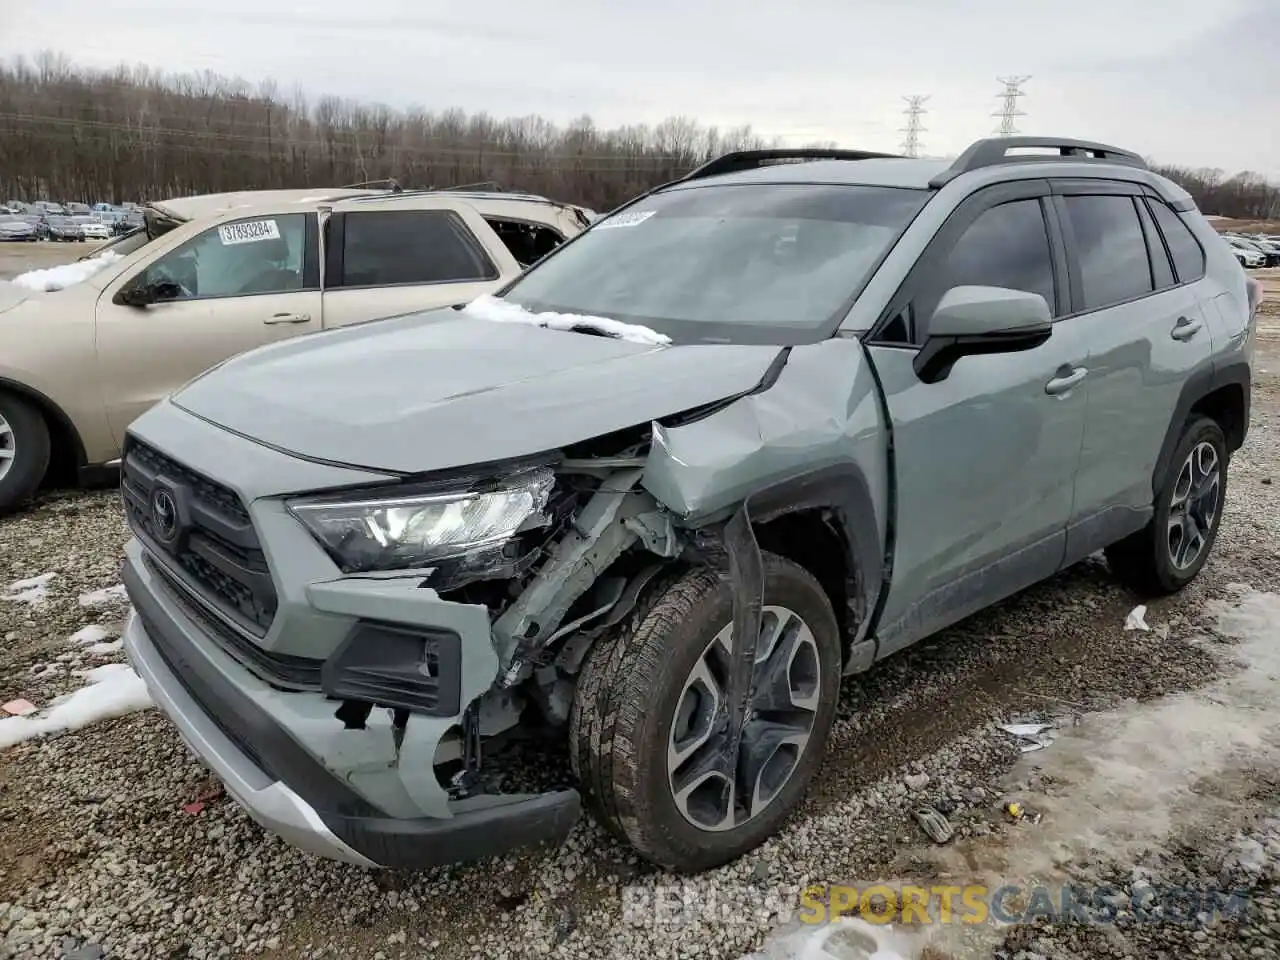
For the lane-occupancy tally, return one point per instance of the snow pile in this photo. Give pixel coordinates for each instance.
(94, 633)
(99, 598)
(69, 274)
(112, 691)
(33, 590)
(497, 310)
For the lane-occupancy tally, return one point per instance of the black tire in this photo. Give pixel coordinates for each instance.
(626, 698)
(1143, 561)
(30, 443)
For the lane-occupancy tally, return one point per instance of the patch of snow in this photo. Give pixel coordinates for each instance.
(112, 691)
(103, 649)
(497, 310)
(846, 938)
(93, 633)
(1127, 779)
(33, 590)
(99, 598)
(66, 275)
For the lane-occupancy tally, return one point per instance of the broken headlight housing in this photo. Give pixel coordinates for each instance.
(424, 527)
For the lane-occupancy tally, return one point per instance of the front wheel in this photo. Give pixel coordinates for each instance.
(1172, 549)
(652, 738)
(24, 450)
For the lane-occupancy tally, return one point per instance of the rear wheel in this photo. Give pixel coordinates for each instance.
(24, 450)
(653, 739)
(1173, 548)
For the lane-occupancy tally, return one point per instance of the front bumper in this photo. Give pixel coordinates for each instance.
(287, 789)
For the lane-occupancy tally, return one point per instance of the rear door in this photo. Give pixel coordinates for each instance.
(386, 258)
(1147, 334)
(985, 459)
(243, 282)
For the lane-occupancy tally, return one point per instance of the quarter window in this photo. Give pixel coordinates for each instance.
(1006, 246)
(236, 259)
(410, 246)
(1188, 257)
(1110, 248)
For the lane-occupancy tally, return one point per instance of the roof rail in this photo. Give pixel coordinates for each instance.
(388, 184)
(995, 150)
(753, 159)
(481, 186)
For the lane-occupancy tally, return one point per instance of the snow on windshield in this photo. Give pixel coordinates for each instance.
(489, 307)
(58, 278)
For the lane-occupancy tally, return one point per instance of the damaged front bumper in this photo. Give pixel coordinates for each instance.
(256, 739)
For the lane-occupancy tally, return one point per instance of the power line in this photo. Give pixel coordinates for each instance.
(915, 110)
(1009, 111)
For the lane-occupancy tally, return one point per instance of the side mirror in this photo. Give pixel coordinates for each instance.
(145, 294)
(977, 320)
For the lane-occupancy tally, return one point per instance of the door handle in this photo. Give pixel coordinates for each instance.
(1185, 329)
(1064, 380)
(288, 318)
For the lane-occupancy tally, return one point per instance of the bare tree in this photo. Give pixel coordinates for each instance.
(133, 133)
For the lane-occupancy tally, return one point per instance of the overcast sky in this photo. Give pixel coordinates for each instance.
(1193, 82)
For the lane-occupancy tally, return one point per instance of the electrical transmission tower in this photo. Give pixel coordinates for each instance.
(1009, 111)
(915, 110)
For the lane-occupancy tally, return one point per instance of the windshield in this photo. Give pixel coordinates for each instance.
(758, 263)
(124, 244)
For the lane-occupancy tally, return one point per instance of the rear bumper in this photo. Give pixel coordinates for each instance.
(292, 794)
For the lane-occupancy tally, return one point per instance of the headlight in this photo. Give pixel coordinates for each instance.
(424, 528)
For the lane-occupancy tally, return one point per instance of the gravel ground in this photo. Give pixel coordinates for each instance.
(98, 857)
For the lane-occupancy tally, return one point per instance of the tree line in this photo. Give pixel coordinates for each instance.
(134, 133)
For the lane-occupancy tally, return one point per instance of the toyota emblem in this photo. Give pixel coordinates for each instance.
(164, 514)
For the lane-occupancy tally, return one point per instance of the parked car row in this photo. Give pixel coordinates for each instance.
(652, 492)
(1257, 250)
(67, 222)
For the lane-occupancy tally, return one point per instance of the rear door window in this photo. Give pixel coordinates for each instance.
(1161, 265)
(1110, 249)
(391, 247)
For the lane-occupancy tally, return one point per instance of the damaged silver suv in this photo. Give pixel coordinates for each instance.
(761, 427)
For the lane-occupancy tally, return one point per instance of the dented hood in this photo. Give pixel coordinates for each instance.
(440, 389)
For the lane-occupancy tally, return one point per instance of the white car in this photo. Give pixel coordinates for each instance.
(1246, 252)
(93, 229)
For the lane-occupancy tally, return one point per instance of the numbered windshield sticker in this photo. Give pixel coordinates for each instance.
(627, 218)
(248, 231)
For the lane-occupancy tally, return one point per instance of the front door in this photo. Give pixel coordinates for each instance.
(237, 285)
(985, 459)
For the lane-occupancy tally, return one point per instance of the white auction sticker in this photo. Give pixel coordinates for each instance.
(625, 219)
(248, 231)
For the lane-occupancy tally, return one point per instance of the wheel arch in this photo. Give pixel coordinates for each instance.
(1222, 394)
(67, 449)
(825, 521)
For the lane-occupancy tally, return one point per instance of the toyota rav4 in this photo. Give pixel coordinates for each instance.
(759, 428)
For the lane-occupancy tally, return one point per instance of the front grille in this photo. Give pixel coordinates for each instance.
(201, 531)
(282, 670)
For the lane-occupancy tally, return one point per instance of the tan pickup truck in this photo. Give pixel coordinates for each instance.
(214, 276)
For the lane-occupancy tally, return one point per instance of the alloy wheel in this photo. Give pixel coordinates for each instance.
(718, 780)
(1194, 505)
(7, 448)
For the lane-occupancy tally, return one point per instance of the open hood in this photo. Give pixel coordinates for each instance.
(441, 389)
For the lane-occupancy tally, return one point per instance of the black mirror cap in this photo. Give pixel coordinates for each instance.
(935, 359)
